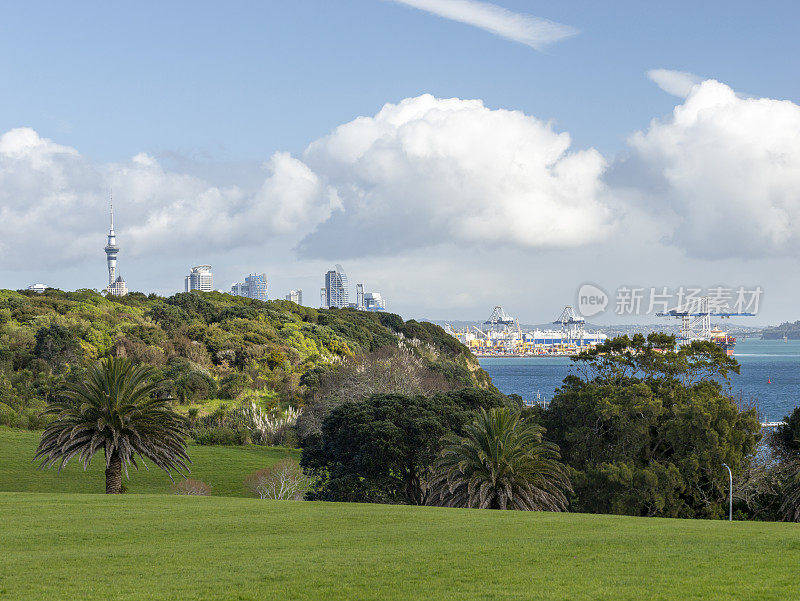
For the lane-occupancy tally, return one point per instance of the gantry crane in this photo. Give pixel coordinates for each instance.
(696, 318)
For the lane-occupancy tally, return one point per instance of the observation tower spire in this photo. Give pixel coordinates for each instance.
(116, 285)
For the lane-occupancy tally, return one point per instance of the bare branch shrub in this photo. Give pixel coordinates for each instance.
(189, 486)
(388, 370)
(283, 481)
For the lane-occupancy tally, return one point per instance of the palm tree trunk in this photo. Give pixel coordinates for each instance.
(114, 475)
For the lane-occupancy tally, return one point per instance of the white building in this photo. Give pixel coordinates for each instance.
(373, 301)
(200, 278)
(369, 301)
(38, 288)
(296, 296)
(118, 288)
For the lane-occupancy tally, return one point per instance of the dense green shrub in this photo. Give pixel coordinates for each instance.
(9, 417)
(57, 345)
(221, 436)
(380, 449)
(786, 438)
(233, 385)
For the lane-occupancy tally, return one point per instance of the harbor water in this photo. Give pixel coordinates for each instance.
(769, 378)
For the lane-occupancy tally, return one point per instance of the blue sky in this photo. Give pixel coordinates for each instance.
(211, 91)
(238, 80)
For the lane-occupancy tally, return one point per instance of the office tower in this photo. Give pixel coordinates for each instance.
(296, 296)
(336, 293)
(199, 278)
(360, 296)
(254, 286)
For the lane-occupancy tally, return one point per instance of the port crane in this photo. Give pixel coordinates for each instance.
(572, 324)
(696, 316)
(499, 318)
(500, 326)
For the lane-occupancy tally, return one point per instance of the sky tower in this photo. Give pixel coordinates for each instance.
(112, 249)
(116, 285)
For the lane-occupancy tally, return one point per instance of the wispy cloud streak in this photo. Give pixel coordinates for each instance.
(526, 29)
(677, 83)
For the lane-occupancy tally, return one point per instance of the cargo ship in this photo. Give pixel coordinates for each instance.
(724, 340)
(502, 336)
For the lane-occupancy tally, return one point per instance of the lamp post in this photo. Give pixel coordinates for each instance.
(730, 502)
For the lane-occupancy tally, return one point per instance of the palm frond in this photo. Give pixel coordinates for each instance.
(502, 463)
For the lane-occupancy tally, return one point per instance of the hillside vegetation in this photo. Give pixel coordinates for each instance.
(166, 547)
(788, 329)
(205, 345)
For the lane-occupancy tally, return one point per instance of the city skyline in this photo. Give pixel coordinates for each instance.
(483, 163)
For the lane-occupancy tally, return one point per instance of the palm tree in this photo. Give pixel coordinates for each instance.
(501, 463)
(114, 409)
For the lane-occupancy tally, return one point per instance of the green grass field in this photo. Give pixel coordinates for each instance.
(55, 544)
(68, 546)
(224, 468)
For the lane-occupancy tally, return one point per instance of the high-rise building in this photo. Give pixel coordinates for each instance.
(359, 296)
(369, 301)
(254, 286)
(116, 285)
(336, 293)
(373, 301)
(296, 296)
(199, 278)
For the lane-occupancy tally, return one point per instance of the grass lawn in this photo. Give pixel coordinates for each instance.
(224, 468)
(67, 546)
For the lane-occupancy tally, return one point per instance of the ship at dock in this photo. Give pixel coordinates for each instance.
(696, 323)
(723, 340)
(502, 336)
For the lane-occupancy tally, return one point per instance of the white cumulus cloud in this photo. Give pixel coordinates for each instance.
(526, 29)
(53, 204)
(728, 168)
(428, 171)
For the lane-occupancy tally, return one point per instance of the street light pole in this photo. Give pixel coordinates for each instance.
(730, 503)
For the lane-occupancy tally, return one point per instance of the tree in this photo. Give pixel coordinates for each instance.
(380, 449)
(785, 445)
(114, 409)
(785, 440)
(56, 344)
(790, 508)
(501, 463)
(645, 428)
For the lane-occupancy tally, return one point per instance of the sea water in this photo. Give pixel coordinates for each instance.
(769, 378)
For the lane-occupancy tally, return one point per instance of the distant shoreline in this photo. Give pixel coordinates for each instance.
(517, 356)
